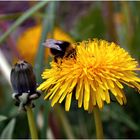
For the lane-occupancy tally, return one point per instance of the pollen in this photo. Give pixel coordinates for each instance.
(99, 69)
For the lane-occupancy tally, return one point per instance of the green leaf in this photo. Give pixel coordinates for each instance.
(2, 118)
(118, 114)
(8, 130)
(21, 19)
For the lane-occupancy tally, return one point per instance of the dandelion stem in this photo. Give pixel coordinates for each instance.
(98, 124)
(64, 122)
(31, 122)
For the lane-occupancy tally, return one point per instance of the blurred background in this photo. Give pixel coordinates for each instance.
(23, 28)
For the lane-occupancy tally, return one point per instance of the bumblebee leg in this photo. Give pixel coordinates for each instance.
(55, 59)
(71, 54)
(58, 56)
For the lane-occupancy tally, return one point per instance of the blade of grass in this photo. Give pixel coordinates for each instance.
(8, 130)
(12, 16)
(48, 25)
(5, 67)
(2, 118)
(9, 16)
(129, 22)
(64, 122)
(21, 19)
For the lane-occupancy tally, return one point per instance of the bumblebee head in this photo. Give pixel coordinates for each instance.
(53, 44)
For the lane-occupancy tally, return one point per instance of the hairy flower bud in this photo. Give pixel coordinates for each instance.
(24, 84)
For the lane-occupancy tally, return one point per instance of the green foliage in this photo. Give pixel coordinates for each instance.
(48, 24)
(90, 25)
(8, 130)
(21, 19)
(136, 41)
(114, 111)
(2, 118)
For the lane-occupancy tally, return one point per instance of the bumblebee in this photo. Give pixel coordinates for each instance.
(60, 49)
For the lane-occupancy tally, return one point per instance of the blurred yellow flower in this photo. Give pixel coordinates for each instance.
(27, 43)
(99, 69)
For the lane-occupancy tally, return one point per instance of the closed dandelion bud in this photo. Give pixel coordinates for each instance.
(23, 82)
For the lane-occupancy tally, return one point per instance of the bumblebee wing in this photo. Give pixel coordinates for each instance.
(53, 44)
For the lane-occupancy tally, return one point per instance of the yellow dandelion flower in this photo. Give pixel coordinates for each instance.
(27, 43)
(99, 69)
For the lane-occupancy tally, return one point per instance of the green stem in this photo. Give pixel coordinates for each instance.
(129, 22)
(48, 24)
(17, 15)
(47, 27)
(9, 16)
(64, 121)
(98, 124)
(31, 122)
